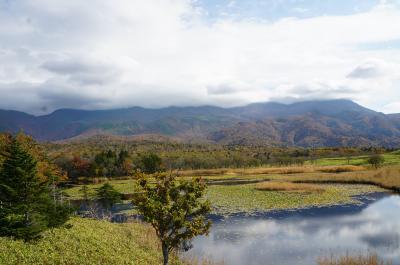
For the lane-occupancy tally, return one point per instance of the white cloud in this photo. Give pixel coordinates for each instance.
(102, 54)
(393, 107)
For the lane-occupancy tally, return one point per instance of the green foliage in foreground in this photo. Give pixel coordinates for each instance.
(87, 242)
(175, 208)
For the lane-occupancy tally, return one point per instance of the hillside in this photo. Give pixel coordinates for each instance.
(311, 123)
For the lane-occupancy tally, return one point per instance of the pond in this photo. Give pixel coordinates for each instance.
(300, 237)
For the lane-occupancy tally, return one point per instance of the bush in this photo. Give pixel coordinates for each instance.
(376, 161)
(108, 196)
(150, 163)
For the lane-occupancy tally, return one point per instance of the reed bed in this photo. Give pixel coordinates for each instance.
(371, 259)
(272, 170)
(388, 178)
(288, 187)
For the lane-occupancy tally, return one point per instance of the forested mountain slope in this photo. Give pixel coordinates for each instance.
(310, 123)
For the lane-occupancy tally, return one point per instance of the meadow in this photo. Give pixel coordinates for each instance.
(87, 242)
(391, 158)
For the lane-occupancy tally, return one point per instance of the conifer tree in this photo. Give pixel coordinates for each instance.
(26, 205)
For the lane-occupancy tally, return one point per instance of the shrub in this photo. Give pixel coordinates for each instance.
(376, 161)
(108, 196)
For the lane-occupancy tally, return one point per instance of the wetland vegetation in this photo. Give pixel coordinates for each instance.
(290, 186)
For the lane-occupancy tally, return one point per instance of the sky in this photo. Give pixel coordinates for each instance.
(102, 54)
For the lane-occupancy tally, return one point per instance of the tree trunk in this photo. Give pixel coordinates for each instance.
(165, 253)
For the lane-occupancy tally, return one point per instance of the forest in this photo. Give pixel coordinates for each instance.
(107, 157)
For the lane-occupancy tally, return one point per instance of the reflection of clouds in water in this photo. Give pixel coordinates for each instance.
(382, 241)
(302, 240)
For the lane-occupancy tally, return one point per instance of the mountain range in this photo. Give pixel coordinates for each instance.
(307, 124)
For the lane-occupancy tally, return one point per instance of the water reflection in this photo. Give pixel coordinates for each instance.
(288, 238)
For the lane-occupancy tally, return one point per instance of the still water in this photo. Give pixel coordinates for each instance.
(300, 237)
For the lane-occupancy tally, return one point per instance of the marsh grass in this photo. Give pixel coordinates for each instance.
(272, 170)
(370, 259)
(340, 169)
(288, 187)
(387, 178)
(247, 199)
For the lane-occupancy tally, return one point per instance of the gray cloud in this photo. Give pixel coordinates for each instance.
(365, 71)
(83, 72)
(321, 90)
(222, 89)
(55, 97)
(65, 53)
(68, 67)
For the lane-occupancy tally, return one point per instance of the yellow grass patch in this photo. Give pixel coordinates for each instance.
(272, 170)
(289, 187)
(340, 169)
(388, 177)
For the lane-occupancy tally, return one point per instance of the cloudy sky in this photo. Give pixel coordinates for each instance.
(99, 54)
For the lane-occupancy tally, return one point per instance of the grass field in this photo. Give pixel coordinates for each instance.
(390, 159)
(87, 242)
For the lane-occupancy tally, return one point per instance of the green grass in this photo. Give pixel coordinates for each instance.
(390, 159)
(87, 242)
(123, 186)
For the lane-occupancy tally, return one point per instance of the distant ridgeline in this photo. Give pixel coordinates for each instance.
(305, 124)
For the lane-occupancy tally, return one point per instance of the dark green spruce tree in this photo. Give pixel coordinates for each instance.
(26, 205)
